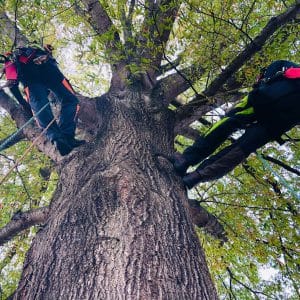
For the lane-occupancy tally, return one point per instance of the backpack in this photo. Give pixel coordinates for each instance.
(277, 104)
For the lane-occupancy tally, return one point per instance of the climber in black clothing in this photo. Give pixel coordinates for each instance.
(268, 111)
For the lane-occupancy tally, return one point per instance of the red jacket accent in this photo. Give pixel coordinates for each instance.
(292, 73)
(10, 71)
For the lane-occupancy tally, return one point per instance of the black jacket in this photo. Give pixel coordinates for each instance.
(276, 102)
(30, 72)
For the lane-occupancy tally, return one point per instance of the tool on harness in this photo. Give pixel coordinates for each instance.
(24, 55)
(11, 72)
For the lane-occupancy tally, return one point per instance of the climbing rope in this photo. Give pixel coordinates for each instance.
(296, 194)
(27, 151)
(10, 138)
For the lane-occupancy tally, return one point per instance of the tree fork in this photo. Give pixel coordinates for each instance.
(117, 225)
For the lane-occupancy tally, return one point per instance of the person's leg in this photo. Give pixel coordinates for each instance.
(227, 159)
(38, 99)
(37, 94)
(207, 144)
(68, 114)
(17, 94)
(67, 122)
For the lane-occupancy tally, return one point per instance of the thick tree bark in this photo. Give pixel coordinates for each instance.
(118, 226)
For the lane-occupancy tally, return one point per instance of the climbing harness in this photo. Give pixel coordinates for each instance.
(296, 194)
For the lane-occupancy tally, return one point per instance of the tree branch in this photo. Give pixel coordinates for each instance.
(30, 131)
(164, 17)
(127, 20)
(256, 45)
(21, 221)
(253, 47)
(272, 182)
(159, 18)
(98, 18)
(233, 277)
(281, 164)
(10, 29)
(29, 198)
(175, 84)
(170, 65)
(190, 133)
(204, 106)
(202, 218)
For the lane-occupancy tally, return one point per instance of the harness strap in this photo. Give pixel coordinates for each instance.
(68, 86)
(25, 57)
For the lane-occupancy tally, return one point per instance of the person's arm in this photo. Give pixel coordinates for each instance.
(17, 94)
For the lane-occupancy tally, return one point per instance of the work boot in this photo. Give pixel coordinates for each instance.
(180, 164)
(191, 179)
(74, 142)
(62, 146)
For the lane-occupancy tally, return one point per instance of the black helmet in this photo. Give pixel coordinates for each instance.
(276, 66)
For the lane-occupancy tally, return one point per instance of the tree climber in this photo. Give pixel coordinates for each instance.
(37, 70)
(268, 111)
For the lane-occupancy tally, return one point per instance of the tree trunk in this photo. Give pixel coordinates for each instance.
(118, 226)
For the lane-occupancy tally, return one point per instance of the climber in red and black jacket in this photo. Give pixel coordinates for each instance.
(268, 111)
(37, 70)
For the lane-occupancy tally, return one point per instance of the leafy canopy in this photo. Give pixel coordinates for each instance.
(259, 213)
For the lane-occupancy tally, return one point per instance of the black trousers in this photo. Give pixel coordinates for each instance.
(227, 159)
(37, 94)
(238, 118)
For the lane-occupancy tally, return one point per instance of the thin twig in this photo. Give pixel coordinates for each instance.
(15, 25)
